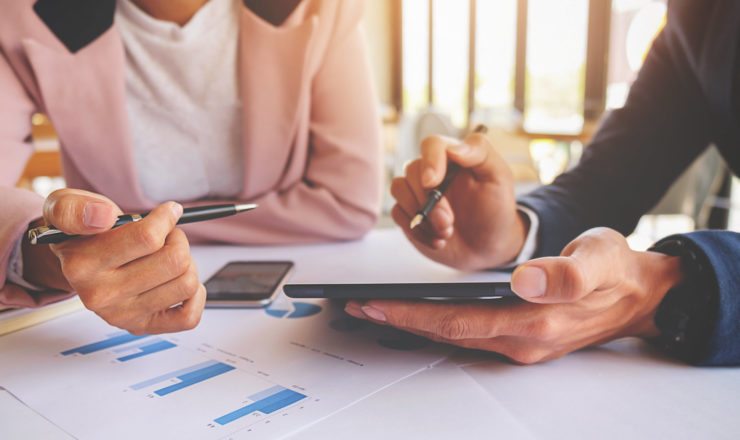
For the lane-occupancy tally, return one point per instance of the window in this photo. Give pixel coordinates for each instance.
(543, 58)
(556, 66)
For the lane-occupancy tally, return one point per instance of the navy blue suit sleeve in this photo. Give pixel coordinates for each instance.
(722, 250)
(638, 151)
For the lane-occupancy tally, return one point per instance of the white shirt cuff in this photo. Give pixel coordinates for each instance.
(530, 242)
(15, 268)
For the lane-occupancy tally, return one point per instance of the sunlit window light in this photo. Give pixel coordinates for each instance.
(556, 65)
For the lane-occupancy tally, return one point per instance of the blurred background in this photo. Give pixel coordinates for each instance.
(539, 73)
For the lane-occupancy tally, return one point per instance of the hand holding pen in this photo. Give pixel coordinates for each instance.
(471, 221)
(139, 277)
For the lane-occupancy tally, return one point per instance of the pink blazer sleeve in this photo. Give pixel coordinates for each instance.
(18, 207)
(339, 195)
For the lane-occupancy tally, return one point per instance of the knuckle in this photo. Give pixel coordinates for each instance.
(62, 208)
(573, 280)
(453, 327)
(192, 319)
(607, 233)
(526, 355)
(477, 139)
(178, 258)
(149, 239)
(546, 329)
(429, 143)
(74, 269)
(138, 329)
(95, 299)
(188, 284)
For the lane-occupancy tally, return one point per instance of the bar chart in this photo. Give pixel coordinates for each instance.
(146, 347)
(242, 376)
(124, 346)
(186, 376)
(267, 402)
(113, 340)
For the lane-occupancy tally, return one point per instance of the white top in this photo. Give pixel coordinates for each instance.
(183, 101)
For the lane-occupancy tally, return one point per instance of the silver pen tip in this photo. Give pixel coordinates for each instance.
(245, 207)
(416, 221)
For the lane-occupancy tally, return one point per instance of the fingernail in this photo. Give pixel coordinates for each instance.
(96, 215)
(459, 149)
(427, 177)
(353, 309)
(374, 313)
(529, 282)
(176, 209)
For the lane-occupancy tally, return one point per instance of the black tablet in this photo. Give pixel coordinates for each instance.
(401, 291)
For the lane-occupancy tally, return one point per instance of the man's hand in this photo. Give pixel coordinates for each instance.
(476, 225)
(139, 277)
(596, 291)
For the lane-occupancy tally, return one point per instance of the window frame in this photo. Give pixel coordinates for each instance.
(597, 61)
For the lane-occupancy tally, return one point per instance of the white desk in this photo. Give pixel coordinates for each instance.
(621, 390)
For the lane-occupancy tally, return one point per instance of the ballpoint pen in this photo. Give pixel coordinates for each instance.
(436, 194)
(49, 234)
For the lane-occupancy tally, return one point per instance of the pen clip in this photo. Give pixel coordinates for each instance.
(44, 234)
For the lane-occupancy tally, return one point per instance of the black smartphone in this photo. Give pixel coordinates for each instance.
(247, 283)
(438, 291)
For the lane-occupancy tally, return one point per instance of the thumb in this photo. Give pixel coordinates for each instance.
(80, 212)
(477, 154)
(590, 262)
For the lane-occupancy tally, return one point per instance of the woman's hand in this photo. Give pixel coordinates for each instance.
(139, 277)
(597, 290)
(476, 225)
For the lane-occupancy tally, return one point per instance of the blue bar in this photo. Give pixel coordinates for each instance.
(149, 349)
(172, 374)
(195, 377)
(267, 405)
(266, 393)
(102, 345)
(137, 345)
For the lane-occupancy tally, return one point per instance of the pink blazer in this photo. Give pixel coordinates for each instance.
(311, 127)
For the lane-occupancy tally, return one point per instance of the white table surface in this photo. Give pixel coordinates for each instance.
(621, 390)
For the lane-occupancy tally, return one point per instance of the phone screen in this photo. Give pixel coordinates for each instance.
(247, 281)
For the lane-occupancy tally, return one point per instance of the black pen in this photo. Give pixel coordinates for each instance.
(436, 194)
(49, 235)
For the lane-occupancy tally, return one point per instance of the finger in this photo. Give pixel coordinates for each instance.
(169, 294)
(477, 154)
(452, 323)
(440, 220)
(136, 240)
(448, 321)
(433, 164)
(135, 313)
(405, 198)
(79, 212)
(413, 179)
(179, 318)
(589, 263)
(515, 348)
(148, 272)
(418, 236)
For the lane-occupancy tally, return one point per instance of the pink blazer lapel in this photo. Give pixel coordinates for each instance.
(84, 95)
(273, 94)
